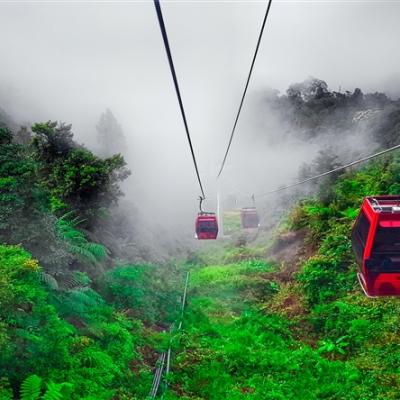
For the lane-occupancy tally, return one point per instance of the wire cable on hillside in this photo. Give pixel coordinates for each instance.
(245, 88)
(178, 93)
(331, 171)
(163, 364)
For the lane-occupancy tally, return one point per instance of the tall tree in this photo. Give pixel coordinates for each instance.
(110, 135)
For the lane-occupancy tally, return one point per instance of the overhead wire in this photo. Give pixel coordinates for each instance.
(178, 93)
(245, 88)
(331, 171)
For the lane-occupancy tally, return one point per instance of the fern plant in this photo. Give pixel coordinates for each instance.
(78, 243)
(31, 389)
(48, 280)
(337, 346)
(58, 391)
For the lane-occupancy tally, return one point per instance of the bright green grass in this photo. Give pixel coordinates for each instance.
(225, 274)
(231, 350)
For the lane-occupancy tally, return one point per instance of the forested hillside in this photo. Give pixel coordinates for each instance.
(84, 316)
(297, 327)
(75, 317)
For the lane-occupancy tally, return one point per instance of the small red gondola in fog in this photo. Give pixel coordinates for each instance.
(206, 226)
(249, 218)
(376, 244)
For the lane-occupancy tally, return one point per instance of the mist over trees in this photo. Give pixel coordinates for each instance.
(61, 287)
(312, 109)
(110, 137)
(343, 125)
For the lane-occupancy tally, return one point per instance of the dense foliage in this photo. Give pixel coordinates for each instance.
(337, 306)
(71, 325)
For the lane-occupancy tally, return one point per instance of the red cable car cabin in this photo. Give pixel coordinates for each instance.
(249, 218)
(206, 226)
(376, 244)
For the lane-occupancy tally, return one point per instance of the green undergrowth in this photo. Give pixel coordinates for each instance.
(80, 317)
(230, 348)
(222, 253)
(345, 324)
(231, 287)
(95, 344)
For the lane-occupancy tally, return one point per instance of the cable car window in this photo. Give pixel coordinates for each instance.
(363, 228)
(252, 219)
(360, 235)
(207, 226)
(387, 242)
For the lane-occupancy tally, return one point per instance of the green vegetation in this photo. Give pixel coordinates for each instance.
(365, 330)
(73, 336)
(73, 324)
(243, 337)
(32, 388)
(232, 347)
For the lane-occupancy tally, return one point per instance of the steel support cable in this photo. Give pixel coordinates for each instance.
(184, 300)
(178, 93)
(164, 360)
(157, 375)
(332, 171)
(245, 88)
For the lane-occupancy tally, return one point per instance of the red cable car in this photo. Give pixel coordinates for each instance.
(376, 244)
(249, 218)
(206, 226)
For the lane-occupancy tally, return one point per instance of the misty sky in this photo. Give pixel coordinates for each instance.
(69, 61)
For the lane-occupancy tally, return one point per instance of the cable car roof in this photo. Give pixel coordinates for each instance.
(384, 204)
(205, 214)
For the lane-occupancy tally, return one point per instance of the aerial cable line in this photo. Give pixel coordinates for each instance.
(245, 88)
(332, 170)
(178, 93)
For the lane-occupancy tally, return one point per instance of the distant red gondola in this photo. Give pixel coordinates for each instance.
(206, 226)
(249, 218)
(376, 244)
